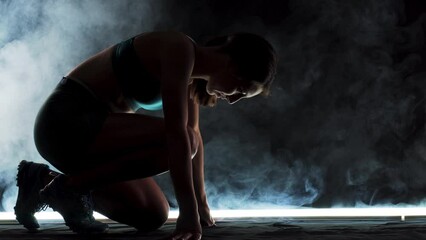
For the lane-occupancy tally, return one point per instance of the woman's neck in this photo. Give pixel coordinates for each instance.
(207, 62)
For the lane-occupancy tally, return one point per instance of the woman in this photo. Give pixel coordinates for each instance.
(88, 130)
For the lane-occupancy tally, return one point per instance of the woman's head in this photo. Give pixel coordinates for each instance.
(249, 72)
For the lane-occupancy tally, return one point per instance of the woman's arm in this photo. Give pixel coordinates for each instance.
(198, 165)
(177, 64)
(206, 219)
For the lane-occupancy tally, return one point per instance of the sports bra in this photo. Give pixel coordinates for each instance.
(140, 89)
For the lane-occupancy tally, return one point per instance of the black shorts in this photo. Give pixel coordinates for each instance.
(68, 123)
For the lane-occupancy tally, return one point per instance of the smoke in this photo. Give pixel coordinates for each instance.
(346, 116)
(40, 41)
(344, 124)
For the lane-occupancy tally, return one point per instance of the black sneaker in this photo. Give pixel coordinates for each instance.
(75, 208)
(29, 181)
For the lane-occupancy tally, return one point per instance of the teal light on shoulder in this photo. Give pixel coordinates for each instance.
(152, 106)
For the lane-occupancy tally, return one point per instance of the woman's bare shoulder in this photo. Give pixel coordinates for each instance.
(169, 34)
(163, 38)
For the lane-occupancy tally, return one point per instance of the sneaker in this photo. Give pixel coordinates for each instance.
(75, 208)
(29, 181)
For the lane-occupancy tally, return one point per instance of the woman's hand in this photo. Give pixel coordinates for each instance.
(206, 220)
(187, 229)
(185, 235)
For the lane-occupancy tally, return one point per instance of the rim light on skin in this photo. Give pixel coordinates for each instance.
(271, 213)
(254, 90)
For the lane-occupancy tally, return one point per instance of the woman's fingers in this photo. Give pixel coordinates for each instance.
(176, 237)
(194, 236)
(208, 223)
(206, 220)
(185, 236)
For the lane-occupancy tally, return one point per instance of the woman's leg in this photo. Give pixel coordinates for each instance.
(129, 147)
(138, 203)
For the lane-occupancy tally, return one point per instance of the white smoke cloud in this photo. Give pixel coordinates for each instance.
(40, 41)
(343, 125)
(347, 108)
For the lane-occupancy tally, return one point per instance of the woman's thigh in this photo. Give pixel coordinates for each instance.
(127, 132)
(121, 136)
(138, 203)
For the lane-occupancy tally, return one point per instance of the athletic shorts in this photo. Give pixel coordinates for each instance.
(68, 123)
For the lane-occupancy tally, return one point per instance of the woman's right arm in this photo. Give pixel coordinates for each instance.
(177, 64)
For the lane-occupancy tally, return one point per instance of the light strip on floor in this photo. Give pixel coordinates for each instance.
(265, 213)
(316, 212)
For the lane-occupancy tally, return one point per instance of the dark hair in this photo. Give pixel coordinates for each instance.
(252, 55)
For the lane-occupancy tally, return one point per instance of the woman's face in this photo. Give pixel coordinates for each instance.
(229, 86)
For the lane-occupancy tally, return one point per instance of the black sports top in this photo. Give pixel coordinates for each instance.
(139, 88)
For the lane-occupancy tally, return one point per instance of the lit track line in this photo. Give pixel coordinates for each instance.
(271, 213)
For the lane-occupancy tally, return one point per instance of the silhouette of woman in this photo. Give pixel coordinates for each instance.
(107, 153)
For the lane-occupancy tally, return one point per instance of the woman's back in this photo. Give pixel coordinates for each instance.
(98, 71)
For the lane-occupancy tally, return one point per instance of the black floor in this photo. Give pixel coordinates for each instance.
(270, 229)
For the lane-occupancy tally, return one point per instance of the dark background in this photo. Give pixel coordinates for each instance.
(344, 125)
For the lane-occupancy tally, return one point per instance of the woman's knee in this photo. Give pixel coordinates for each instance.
(143, 218)
(150, 220)
(139, 203)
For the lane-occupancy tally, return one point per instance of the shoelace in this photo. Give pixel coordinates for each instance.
(41, 207)
(82, 202)
(87, 202)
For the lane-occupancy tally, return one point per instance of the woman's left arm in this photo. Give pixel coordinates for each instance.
(198, 167)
